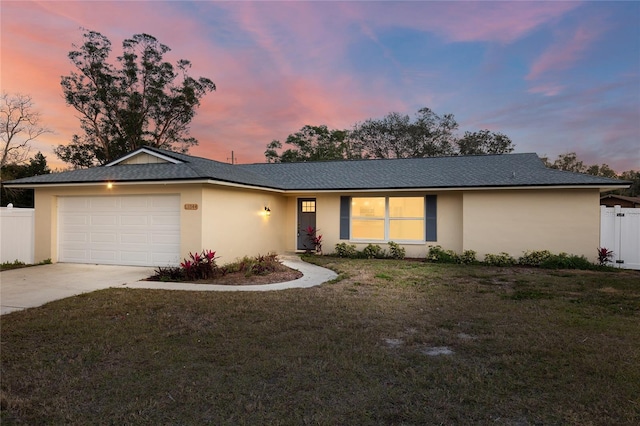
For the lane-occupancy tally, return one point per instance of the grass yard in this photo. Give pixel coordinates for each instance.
(393, 342)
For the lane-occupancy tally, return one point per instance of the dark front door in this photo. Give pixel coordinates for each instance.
(306, 219)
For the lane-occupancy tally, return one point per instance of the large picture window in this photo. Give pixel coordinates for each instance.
(388, 218)
(368, 218)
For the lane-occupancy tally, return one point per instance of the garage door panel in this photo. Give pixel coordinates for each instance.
(165, 238)
(74, 204)
(72, 220)
(109, 220)
(121, 230)
(166, 221)
(103, 256)
(104, 237)
(165, 204)
(131, 220)
(75, 237)
(79, 256)
(104, 203)
(131, 238)
(134, 203)
(134, 256)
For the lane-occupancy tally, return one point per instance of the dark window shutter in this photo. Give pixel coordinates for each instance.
(345, 213)
(432, 215)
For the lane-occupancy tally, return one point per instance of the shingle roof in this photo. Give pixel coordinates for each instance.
(507, 170)
(437, 172)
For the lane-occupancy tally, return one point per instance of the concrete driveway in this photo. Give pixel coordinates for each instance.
(34, 286)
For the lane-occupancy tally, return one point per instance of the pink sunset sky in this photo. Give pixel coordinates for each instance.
(556, 77)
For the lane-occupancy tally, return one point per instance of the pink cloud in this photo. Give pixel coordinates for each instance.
(502, 22)
(568, 50)
(278, 66)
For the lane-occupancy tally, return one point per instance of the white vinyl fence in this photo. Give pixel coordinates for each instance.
(620, 233)
(16, 235)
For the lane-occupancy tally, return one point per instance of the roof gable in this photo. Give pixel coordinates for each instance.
(143, 156)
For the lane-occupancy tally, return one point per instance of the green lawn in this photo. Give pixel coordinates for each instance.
(523, 346)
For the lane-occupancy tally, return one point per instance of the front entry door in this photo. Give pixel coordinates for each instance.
(306, 219)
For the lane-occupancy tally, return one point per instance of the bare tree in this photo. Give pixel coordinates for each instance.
(19, 125)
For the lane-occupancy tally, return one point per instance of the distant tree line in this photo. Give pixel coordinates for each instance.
(428, 135)
(570, 163)
(393, 136)
(22, 197)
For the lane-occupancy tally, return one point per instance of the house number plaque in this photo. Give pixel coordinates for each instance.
(191, 207)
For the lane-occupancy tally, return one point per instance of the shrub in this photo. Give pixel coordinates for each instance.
(346, 250)
(501, 259)
(260, 265)
(202, 266)
(315, 239)
(438, 254)
(372, 251)
(534, 257)
(468, 257)
(170, 273)
(198, 266)
(566, 261)
(396, 251)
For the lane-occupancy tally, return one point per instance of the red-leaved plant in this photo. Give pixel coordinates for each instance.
(315, 239)
(604, 255)
(200, 266)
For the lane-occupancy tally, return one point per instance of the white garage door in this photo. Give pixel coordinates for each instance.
(127, 230)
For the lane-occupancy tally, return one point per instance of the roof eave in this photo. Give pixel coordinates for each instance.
(602, 188)
(456, 188)
(143, 182)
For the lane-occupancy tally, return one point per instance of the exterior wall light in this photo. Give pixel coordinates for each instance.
(267, 211)
(109, 185)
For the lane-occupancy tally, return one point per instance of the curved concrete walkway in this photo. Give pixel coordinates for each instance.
(312, 275)
(34, 286)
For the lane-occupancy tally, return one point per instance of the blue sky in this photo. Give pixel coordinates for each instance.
(556, 77)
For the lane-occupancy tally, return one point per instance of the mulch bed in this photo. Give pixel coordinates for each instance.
(239, 278)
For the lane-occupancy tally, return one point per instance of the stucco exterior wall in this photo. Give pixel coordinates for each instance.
(449, 222)
(290, 221)
(234, 223)
(228, 220)
(45, 226)
(514, 221)
(328, 221)
(449, 219)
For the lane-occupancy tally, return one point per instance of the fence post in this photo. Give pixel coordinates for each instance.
(617, 220)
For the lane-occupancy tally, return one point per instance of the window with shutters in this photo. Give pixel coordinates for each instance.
(388, 218)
